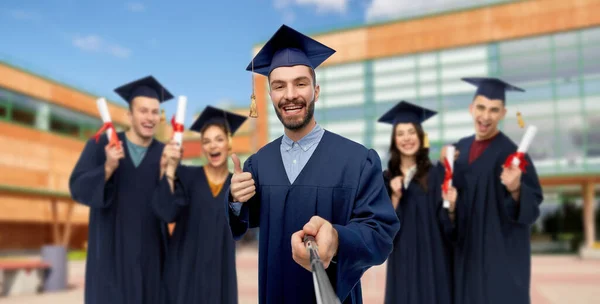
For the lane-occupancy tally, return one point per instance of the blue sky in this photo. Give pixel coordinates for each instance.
(195, 48)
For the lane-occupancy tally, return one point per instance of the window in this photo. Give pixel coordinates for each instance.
(3, 110)
(23, 116)
(64, 127)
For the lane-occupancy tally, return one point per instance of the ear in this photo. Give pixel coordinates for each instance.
(317, 92)
(503, 112)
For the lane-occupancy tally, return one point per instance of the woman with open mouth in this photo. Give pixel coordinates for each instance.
(200, 263)
(419, 267)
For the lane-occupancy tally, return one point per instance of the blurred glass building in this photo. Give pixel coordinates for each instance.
(551, 48)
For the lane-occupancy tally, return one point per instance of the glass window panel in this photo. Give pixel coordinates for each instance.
(457, 101)
(344, 113)
(64, 127)
(535, 44)
(593, 135)
(568, 39)
(591, 57)
(567, 89)
(533, 92)
(528, 67)
(591, 36)
(23, 115)
(567, 63)
(571, 133)
(591, 86)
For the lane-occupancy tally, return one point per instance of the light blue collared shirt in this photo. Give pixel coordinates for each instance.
(294, 155)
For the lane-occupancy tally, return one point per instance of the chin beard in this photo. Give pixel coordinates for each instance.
(294, 126)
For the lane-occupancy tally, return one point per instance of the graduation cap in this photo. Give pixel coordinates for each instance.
(147, 87)
(492, 88)
(406, 112)
(287, 47)
(211, 114)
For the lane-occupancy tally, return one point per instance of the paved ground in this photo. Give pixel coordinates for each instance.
(556, 279)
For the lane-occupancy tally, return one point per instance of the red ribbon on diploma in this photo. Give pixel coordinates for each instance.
(518, 155)
(114, 140)
(177, 127)
(447, 176)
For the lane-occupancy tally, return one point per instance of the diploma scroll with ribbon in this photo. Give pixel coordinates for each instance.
(178, 119)
(449, 166)
(518, 158)
(107, 125)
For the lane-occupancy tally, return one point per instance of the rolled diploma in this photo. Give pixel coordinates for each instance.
(104, 114)
(525, 142)
(179, 117)
(450, 157)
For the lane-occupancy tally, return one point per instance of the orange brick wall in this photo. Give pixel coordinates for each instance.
(45, 90)
(34, 159)
(28, 236)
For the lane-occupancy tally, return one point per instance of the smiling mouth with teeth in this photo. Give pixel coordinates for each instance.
(292, 107)
(215, 154)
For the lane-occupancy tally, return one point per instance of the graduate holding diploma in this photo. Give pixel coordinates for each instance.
(419, 267)
(309, 182)
(200, 265)
(127, 242)
(496, 206)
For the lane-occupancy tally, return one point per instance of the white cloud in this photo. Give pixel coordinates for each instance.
(94, 43)
(389, 9)
(321, 6)
(88, 43)
(119, 51)
(136, 7)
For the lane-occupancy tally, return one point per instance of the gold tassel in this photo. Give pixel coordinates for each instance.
(425, 141)
(253, 110)
(520, 120)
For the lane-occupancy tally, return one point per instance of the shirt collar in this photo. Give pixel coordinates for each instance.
(305, 142)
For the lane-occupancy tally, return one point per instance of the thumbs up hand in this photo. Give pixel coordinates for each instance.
(242, 183)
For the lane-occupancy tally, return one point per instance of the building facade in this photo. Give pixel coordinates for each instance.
(44, 126)
(550, 48)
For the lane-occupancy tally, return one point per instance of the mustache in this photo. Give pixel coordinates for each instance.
(282, 104)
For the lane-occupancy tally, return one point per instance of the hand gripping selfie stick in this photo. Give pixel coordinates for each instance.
(323, 289)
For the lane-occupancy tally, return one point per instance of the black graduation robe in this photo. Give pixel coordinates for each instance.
(126, 241)
(200, 264)
(419, 269)
(342, 183)
(492, 250)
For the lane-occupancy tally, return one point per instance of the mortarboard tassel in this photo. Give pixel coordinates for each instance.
(425, 141)
(253, 110)
(520, 120)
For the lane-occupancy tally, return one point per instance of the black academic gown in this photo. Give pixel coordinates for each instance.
(126, 241)
(341, 183)
(419, 268)
(492, 252)
(200, 265)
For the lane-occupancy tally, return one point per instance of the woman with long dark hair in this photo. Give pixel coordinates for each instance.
(200, 264)
(419, 267)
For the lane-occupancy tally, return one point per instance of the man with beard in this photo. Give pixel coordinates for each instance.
(309, 182)
(116, 179)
